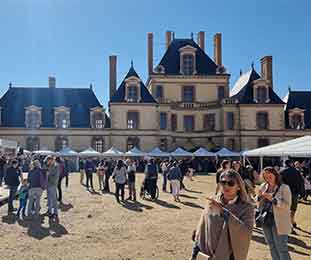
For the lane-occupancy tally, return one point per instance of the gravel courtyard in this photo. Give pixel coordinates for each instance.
(94, 226)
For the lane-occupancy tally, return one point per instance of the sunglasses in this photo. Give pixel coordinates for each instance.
(230, 183)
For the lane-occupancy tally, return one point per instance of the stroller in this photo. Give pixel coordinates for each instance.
(145, 192)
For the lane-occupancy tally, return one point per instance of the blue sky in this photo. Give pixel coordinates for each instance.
(72, 39)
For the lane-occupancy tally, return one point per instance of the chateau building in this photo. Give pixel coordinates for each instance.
(187, 101)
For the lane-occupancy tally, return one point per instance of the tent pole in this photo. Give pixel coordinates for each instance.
(261, 163)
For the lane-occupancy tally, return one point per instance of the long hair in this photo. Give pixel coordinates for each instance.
(232, 174)
(278, 177)
(119, 164)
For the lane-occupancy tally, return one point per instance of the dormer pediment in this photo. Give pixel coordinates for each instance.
(297, 110)
(132, 80)
(33, 108)
(97, 109)
(62, 109)
(187, 48)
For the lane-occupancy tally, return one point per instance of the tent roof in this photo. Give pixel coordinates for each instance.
(89, 152)
(157, 152)
(202, 152)
(224, 152)
(296, 147)
(181, 152)
(68, 152)
(135, 152)
(44, 152)
(113, 152)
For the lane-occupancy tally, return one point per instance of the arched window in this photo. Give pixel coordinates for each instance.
(32, 143)
(61, 142)
(98, 144)
(132, 142)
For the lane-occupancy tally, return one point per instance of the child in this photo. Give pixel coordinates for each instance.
(23, 197)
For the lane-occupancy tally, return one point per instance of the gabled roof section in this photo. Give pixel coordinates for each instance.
(171, 59)
(119, 96)
(16, 99)
(243, 89)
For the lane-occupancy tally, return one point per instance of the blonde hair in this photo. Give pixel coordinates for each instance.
(232, 174)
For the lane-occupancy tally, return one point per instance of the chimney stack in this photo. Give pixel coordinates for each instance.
(168, 38)
(201, 40)
(266, 69)
(52, 82)
(150, 53)
(217, 49)
(112, 75)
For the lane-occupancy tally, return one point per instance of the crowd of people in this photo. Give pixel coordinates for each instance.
(242, 196)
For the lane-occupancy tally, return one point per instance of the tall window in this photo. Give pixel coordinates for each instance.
(132, 120)
(163, 120)
(189, 123)
(297, 121)
(132, 93)
(262, 120)
(188, 64)
(261, 94)
(98, 119)
(159, 95)
(174, 122)
(209, 122)
(221, 92)
(98, 144)
(32, 119)
(261, 142)
(163, 144)
(62, 120)
(61, 142)
(188, 94)
(230, 120)
(33, 143)
(132, 142)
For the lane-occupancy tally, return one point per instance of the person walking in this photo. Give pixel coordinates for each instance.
(164, 170)
(151, 177)
(131, 177)
(82, 170)
(101, 175)
(292, 177)
(119, 176)
(12, 179)
(35, 177)
(23, 197)
(2, 168)
(225, 228)
(174, 176)
(275, 199)
(63, 174)
(89, 169)
(53, 177)
(108, 172)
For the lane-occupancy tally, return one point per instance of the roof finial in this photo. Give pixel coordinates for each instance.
(241, 72)
(91, 86)
(10, 84)
(173, 33)
(191, 35)
(132, 64)
(252, 65)
(289, 88)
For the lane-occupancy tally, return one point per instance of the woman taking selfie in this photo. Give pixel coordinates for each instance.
(225, 227)
(274, 204)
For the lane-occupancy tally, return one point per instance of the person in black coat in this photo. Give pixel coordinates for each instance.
(12, 179)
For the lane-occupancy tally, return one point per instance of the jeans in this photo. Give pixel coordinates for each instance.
(277, 243)
(59, 187)
(101, 180)
(34, 201)
(164, 181)
(89, 179)
(106, 184)
(12, 194)
(52, 200)
(119, 187)
(132, 190)
(22, 206)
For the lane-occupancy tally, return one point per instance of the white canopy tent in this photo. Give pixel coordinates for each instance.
(202, 152)
(113, 152)
(224, 152)
(68, 152)
(8, 146)
(135, 152)
(157, 152)
(89, 152)
(44, 152)
(179, 152)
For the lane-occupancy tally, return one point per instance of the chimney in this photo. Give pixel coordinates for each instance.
(52, 82)
(266, 69)
(168, 38)
(217, 49)
(201, 40)
(112, 75)
(150, 53)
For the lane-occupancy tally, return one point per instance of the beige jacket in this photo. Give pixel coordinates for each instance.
(281, 210)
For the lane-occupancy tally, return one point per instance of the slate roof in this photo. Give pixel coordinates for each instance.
(119, 96)
(171, 59)
(243, 89)
(80, 101)
(299, 99)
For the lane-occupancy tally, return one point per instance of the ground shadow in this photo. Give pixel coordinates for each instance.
(9, 219)
(134, 206)
(191, 204)
(65, 207)
(166, 204)
(193, 191)
(187, 196)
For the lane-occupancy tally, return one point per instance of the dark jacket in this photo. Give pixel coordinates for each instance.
(89, 166)
(34, 178)
(12, 176)
(174, 173)
(293, 179)
(151, 171)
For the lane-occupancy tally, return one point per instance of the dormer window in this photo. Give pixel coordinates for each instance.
(187, 60)
(297, 118)
(62, 117)
(33, 117)
(261, 92)
(132, 89)
(132, 94)
(97, 117)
